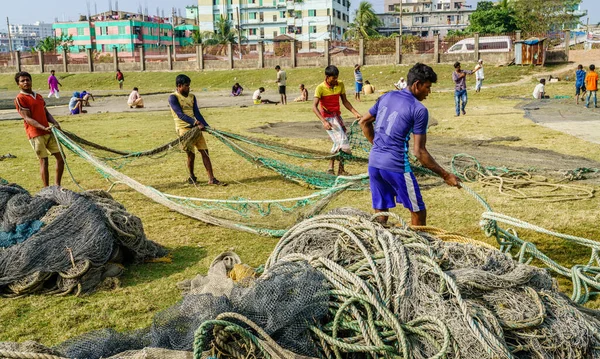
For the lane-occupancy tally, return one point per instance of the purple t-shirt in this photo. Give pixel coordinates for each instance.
(397, 115)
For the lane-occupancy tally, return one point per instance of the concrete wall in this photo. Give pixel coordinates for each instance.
(379, 59)
(556, 57)
(284, 62)
(245, 64)
(345, 60)
(185, 65)
(320, 62)
(216, 65)
(414, 58)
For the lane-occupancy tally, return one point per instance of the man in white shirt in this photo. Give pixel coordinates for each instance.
(540, 90)
(257, 99)
(135, 100)
(479, 75)
(281, 82)
(400, 85)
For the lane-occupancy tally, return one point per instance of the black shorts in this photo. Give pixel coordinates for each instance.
(579, 89)
(282, 90)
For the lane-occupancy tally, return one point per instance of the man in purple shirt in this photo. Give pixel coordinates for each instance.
(460, 88)
(388, 126)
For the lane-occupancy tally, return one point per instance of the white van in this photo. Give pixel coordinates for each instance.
(486, 44)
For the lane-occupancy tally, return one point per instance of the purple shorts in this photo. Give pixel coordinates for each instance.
(75, 111)
(389, 188)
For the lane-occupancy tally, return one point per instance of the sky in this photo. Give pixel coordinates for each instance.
(48, 11)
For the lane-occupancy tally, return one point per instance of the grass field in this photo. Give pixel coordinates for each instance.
(148, 288)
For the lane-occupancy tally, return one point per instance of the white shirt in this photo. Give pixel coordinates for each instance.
(401, 85)
(256, 95)
(538, 90)
(281, 78)
(134, 95)
(479, 73)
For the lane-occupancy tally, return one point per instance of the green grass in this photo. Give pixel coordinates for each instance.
(147, 288)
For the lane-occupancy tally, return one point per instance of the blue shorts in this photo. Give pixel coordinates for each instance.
(578, 89)
(358, 87)
(389, 188)
(75, 111)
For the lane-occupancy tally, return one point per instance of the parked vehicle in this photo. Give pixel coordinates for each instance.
(486, 44)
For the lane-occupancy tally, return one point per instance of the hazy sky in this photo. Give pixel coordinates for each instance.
(48, 10)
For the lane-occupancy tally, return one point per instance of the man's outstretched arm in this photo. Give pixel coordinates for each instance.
(420, 151)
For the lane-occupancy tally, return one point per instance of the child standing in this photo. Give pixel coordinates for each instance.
(327, 96)
(53, 85)
(591, 84)
(579, 83)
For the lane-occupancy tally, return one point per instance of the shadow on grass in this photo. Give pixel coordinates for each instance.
(182, 258)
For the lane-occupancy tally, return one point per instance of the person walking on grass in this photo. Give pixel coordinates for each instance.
(591, 85)
(281, 82)
(358, 82)
(184, 108)
(460, 88)
(388, 126)
(120, 78)
(32, 108)
(326, 107)
(479, 75)
(579, 83)
(53, 84)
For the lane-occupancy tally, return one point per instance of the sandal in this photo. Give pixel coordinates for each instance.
(216, 182)
(192, 180)
(343, 173)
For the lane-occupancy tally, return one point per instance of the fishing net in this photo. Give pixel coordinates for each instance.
(59, 241)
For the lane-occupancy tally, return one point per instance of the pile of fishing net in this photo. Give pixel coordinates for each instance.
(341, 286)
(61, 242)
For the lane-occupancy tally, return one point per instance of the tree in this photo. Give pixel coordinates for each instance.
(493, 19)
(365, 23)
(50, 43)
(224, 33)
(541, 16)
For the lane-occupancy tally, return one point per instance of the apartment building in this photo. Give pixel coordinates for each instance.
(19, 42)
(126, 31)
(307, 21)
(425, 18)
(37, 29)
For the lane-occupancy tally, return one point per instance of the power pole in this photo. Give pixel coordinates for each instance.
(173, 32)
(400, 30)
(239, 29)
(10, 47)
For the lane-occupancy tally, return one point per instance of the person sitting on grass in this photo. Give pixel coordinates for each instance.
(368, 89)
(76, 104)
(327, 96)
(257, 98)
(85, 96)
(237, 89)
(303, 94)
(135, 100)
(539, 92)
(186, 115)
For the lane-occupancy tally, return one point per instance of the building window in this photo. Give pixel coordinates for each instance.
(282, 14)
(282, 30)
(298, 14)
(312, 29)
(274, 18)
(274, 34)
(80, 31)
(312, 12)
(328, 12)
(425, 19)
(299, 30)
(391, 8)
(312, 45)
(121, 30)
(215, 2)
(105, 30)
(230, 16)
(251, 31)
(251, 1)
(252, 16)
(339, 14)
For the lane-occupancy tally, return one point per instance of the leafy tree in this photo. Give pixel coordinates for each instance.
(540, 16)
(51, 43)
(365, 23)
(493, 19)
(196, 37)
(224, 33)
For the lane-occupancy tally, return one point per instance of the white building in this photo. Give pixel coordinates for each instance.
(307, 21)
(37, 29)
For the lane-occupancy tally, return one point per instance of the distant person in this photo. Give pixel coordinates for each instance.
(120, 78)
(479, 75)
(401, 84)
(281, 82)
(388, 126)
(358, 82)
(539, 92)
(303, 94)
(76, 104)
(257, 98)
(85, 96)
(237, 89)
(135, 99)
(32, 108)
(368, 89)
(186, 115)
(579, 84)
(460, 88)
(591, 85)
(326, 106)
(53, 84)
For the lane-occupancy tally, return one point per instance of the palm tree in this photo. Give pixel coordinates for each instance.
(224, 33)
(365, 23)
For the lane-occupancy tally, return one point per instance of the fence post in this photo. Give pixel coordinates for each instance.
(293, 52)
(518, 35)
(261, 55)
(169, 58)
(65, 60)
(398, 51)
(200, 57)
(476, 46)
(90, 58)
(115, 59)
(18, 60)
(41, 57)
(326, 52)
(142, 58)
(230, 54)
(436, 48)
(567, 43)
(361, 52)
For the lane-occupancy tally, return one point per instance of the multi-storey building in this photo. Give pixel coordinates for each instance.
(424, 18)
(37, 29)
(306, 21)
(126, 32)
(19, 42)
